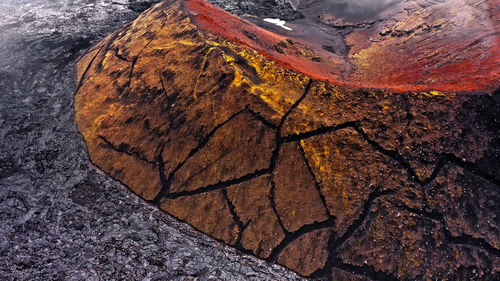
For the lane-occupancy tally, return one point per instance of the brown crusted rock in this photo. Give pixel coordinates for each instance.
(439, 115)
(386, 118)
(308, 253)
(416, 246)
(260, 226)
(208, 212)
(167, 89)
(470, 205)
(407, 124)
(241, 147)
(348, 169)
(140, 175)
(297, 199)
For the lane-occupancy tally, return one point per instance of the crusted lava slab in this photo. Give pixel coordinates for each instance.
(249, 137)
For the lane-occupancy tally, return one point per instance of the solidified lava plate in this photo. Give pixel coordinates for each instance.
(348, 149)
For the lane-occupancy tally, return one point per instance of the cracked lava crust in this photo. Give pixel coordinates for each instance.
(381, 163)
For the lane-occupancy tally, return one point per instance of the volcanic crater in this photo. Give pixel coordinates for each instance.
(365, 150)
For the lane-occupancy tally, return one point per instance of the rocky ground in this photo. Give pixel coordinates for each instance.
(60, 217)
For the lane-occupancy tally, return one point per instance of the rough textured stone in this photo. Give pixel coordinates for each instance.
(385, 245)
(261, 231)
(308, 253)
(297, 198)
(218, 162)
(394, 152)
(348, 169)
(207, 212)
(470, 205)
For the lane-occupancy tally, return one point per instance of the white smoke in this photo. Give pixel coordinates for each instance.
(354, 9)
(361, 6)
(364, 4)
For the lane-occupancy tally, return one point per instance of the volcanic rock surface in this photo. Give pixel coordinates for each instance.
(61, 218)
(379, 162)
